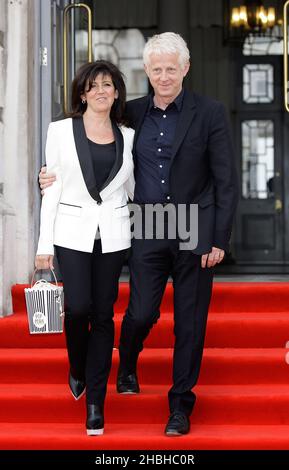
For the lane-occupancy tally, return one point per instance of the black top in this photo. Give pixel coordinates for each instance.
(154, 151)
(103, 158)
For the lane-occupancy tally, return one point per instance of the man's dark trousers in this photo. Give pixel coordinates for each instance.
(151, 263)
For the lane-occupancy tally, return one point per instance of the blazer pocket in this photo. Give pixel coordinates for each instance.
(206, 200)
(121, 211)
(196, 144)
(69, 209)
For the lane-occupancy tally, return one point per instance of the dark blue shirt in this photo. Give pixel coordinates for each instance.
(154, 151)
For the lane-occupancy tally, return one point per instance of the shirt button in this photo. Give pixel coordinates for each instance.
(163, 181)
(164, 116)
(161, 133)
(160, 166)
(159, 150)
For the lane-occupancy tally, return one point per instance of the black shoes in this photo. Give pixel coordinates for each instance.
(94, 420)
(127, 384)
(178, 424)
(77, 387)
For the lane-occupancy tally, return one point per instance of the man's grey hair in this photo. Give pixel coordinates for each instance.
(167, 43)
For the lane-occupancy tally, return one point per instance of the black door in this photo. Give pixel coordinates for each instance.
(260, 232)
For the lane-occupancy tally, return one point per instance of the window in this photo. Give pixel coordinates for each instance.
(257, 159)
(122, 47)
(268, 45)
(258, 84)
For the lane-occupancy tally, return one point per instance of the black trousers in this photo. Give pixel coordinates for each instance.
(151, 263)
(90, 288)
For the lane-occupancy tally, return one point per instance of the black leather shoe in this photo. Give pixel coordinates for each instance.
(77, 387)
(127, 384)
(94, 420)
(178, 424)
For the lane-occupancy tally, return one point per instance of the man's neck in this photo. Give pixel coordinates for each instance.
(163, 102)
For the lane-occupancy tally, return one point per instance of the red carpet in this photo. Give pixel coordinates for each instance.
(242, 395)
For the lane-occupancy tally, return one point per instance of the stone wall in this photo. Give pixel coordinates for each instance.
(3, 27)
(15, 155)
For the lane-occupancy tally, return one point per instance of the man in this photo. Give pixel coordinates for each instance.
(183, 155)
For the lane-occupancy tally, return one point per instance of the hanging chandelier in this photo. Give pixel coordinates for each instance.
(250, 18)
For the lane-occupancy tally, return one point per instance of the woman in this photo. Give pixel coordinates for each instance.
(85, 216)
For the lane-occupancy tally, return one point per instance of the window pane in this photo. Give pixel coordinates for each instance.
(272, 44)
(123, 48)
(257, 159)
(258, 86)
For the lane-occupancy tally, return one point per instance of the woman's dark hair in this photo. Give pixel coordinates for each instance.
(85, 76)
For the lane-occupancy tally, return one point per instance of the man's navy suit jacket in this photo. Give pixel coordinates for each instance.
(202, 169)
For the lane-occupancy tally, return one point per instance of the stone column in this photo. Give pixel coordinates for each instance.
(7, 216)
(3, 28)
(7, 256)
(17, 156)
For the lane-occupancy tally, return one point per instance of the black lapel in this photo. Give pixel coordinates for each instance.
(140, 118)
(187, 114)
(119, 155)
(84, 156)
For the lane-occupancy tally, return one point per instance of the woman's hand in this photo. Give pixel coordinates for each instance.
(44, 262)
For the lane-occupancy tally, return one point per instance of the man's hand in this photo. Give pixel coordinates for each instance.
(44, 262)
(45, 179)
(213, 258)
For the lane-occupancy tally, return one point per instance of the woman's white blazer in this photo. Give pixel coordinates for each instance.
(72, 208)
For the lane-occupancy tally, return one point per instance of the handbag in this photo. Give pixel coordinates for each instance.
(45, 306)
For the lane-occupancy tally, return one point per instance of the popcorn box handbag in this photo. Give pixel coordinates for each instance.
(44, 303)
